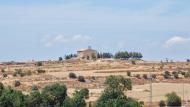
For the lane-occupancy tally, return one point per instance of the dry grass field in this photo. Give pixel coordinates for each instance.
(95, 73)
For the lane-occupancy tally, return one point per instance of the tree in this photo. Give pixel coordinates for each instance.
(72, 75)
(53, 95)
(167, 75)
(128, 73)
(39, 64)
(12, 98)
(35, 99)
(118, 83)
(173, 100)
(60, 59)
(145, 76)
(81, 79)
(113, 95)
(78, 100)
(69, 56)
(17, 83)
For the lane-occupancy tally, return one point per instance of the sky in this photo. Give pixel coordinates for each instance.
(47, 29)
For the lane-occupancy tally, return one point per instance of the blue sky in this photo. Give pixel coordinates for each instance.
(47, 29)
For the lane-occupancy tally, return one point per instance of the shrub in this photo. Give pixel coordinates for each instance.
(187, 74)
(72, 75)
(18, 72)
(141, 103)
(173, 100)
(154, 76)
(14, 74)
(28, 73)
(176, 76)
(167, 75)
(162, 103)
(113, 95)
(145, 76)
(84, 93)
(93, 77)
(174, 72)
(17, 83)
(128, 73)
(138, 76)
(81, 79)
(60, 59)
(118, 83)
(183, 73)
(53, 95)
(22, 74)
(4, 75)
(2, 70)
(41, 71)
(133, 62)
(39, 64)
(34, 88)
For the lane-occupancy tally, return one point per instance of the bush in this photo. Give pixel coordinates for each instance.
(154, 76)
(183, 73)
(187, 74)
(39, 64)
(4, 75)
(53, 95)
(162, 103)
(17, 83)
(176, 76)
(14, 74)
(118, 83)
(141, 103)
(34, 88)
(1, 86)
(41, 71)
(84, 93)
(133, 62)
(72, 75)
(18, 72)
(81, 79)
(113, 95)
(60, 59)
(128, 73)
(145, 76)
(138, 76)
(2, 70)
(167, 75)
(93, 77)
(173, 99)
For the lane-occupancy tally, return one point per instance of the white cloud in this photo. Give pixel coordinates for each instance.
(176, 40)
(51, 41)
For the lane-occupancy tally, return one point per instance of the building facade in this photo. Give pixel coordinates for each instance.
(88, 54)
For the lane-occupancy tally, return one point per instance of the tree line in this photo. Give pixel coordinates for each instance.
(125, 55)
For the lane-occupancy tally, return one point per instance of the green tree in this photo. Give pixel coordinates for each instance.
(118, 83)
(35, 99)
(113, 95)
(167, 75)
(12, 98)
(173, 100)
(53, 95)
(78, 100)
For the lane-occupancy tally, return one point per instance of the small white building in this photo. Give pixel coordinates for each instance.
(88, 54)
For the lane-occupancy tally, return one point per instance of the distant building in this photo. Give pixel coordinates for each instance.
(88, 54)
